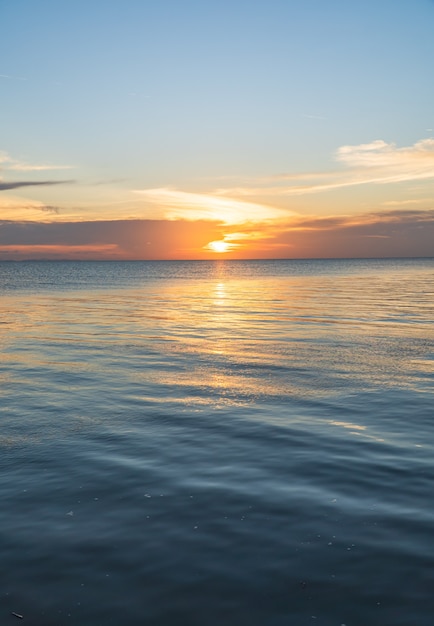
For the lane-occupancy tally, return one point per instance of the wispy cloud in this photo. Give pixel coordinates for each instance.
(8, 77)
(28, 167)
(20, 209)
(193, 206)
(9, 163)
(409, 161)
(375, 163)
(418, 201)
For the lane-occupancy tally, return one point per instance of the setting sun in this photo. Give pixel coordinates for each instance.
(218, 246)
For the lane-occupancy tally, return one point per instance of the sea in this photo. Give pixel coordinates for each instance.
(208, 443)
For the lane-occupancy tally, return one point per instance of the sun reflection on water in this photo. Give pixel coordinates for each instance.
(224, 338)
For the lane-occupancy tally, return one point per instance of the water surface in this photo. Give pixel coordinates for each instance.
(198, 443)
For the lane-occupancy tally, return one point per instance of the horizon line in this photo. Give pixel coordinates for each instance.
(217, 260)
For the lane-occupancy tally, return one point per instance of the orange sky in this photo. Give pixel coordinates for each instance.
(388, 234)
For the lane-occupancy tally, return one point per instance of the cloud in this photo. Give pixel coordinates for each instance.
(54, 251)
(375, 163)
(383, 218)
(128, 239)
(33, 183)
(28, 167)
(12, 77)
(49, 209)
(193, 206)
(405, 163)
(8, 163)
(22, 209)
(418, 201)
(12, 164)
(378, 234)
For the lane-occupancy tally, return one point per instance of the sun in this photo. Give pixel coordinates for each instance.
(218, 246)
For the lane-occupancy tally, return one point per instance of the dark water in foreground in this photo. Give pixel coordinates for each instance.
(218, 443)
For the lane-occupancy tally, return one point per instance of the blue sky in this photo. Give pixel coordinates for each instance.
(252, 115)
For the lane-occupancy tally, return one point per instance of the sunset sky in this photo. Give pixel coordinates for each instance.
(188, 129)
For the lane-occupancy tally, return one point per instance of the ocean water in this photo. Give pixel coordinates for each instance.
(207, 443)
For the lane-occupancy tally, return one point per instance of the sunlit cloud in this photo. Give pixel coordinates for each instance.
(376, 234)
(9, 163)
(169, 223)
(28, 167)
(193, 206)
(409, 161)
(18, 209)
(220, 246)
(418, 201)
(376, 163)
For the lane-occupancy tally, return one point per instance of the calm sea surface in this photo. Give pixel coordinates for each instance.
(217, 443)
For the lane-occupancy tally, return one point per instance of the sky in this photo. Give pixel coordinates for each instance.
(204, 129)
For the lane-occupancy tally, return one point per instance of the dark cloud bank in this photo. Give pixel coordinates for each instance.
(385, 234)
(135, 239)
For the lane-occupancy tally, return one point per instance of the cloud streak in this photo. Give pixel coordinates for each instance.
(12, 77)
(4, 186)
(375, 163)
(9, 163)
(193, 206)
